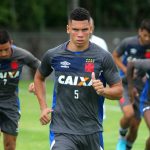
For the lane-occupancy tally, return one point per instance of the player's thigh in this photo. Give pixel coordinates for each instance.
(136, 107)
(135, 123)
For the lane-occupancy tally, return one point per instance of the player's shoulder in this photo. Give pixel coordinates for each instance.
(99, 51)
(57, 49)
(18, 51)
(130, 39)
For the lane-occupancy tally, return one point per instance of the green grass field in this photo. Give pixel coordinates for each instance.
(34, 136)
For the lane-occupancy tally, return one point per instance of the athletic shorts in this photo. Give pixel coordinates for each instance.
(9, 119)
(145, 99)
(125, 100)
(63, 141)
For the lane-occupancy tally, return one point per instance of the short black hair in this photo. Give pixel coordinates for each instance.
(145, 24)
(4, 36)
(79, 14)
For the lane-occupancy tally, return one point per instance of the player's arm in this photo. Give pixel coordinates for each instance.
(118, 61)
(130, 74)
(143, 64)
(39, 83)
(112, 92)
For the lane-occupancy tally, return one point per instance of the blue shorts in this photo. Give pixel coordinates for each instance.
(145, 99)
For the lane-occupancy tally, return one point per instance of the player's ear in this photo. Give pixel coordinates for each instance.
(91, 29)
(68, 29)
(11, 41)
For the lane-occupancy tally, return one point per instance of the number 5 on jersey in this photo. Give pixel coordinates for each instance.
(76, 94)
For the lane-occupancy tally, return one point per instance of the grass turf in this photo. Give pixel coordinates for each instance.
(33, 135)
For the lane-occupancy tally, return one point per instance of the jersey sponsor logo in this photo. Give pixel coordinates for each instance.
(10, 74)
(89, 65)
(130, 59)
(133, 51)
(65, 64)
(77, 81)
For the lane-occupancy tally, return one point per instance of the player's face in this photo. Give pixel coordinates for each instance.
(5, 50)
(80, 32)
(144, 36)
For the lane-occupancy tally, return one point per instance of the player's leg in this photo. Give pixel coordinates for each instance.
(9, 141)
(133, 132)
(128, 113)
(134, 125)
(9, 127)
(147, 120)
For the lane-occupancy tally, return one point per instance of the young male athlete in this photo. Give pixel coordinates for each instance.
(12, 60)
(81, 71)
(144, 103)
(131, 48)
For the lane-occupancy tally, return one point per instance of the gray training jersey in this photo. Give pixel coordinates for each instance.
(144, 64)
(10, 72)
(130, 48)
(78, 109)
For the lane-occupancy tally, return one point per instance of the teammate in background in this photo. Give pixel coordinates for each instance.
(78, 93)
(97, 40)
(12, 60)
(131, 48)
(142, 64)
(100, 42)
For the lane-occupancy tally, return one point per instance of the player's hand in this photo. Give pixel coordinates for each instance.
(97, 85)
(45, 117)
(31, 88)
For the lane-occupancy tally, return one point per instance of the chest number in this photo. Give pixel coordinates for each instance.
(76, 94)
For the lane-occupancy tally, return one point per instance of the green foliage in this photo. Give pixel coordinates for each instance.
(30, 14)
(34, 136)
(37, 15)
(7, 15)
(56, 13)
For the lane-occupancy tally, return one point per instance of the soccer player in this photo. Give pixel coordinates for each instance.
(82, 70)
(143, 64)
(131, 48)
(12, 60)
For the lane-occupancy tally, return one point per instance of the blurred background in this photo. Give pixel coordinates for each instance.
(38, 25)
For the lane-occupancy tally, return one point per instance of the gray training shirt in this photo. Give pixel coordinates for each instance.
(78, 109)
(10, 72)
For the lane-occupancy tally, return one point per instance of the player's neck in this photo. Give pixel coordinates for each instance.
(77, 48)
